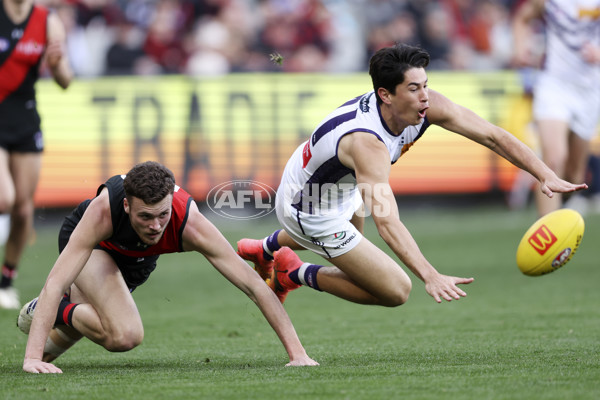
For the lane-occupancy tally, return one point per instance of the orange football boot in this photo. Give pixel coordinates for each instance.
(286, 261)
(252, 250)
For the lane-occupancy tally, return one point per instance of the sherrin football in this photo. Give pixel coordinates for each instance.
(550, 242)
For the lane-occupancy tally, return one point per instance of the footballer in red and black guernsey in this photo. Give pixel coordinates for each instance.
(108, 246)
(134, 256)
(21, 49)
(30, 36)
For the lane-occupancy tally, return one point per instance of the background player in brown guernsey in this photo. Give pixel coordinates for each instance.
(29, 35)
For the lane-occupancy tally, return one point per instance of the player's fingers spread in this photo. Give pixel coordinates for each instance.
(446, 296)
(455, 294)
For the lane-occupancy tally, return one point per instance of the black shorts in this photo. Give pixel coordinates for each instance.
(33, 143)
(135, 270)
(20, 134)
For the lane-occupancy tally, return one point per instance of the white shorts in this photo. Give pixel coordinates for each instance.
(327, 236)
(558, 100)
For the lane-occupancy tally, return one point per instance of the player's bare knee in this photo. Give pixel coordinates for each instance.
(22, 212)
(124, 340)
(396, 295)
(6, 204)
(395, 299)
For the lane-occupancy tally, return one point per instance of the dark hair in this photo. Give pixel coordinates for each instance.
(388, 65)
(149, 181)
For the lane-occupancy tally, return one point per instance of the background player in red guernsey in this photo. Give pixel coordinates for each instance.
(108, 246)
(28, 35)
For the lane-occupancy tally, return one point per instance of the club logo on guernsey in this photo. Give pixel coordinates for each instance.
(306, 154)
(241, 199)
(364, 104)
(542, 239)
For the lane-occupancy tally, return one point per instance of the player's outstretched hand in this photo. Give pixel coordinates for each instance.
(560, 186)
(444, 287)
(38, 366)
(305, 361)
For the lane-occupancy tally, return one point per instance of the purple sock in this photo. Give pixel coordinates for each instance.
(309, 276)
(294, 277)
(271, 244)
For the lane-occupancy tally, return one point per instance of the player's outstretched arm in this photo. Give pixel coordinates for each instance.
(94, 226)
(202, 236)
(465, 122)
(369, 158)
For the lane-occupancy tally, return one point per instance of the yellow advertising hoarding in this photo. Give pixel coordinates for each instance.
(245, 126)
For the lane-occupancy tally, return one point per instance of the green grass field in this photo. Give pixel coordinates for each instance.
(513, 337)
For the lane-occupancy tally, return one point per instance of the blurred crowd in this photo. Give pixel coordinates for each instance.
(212, 37)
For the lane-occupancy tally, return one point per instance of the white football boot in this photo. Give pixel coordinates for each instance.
(26, 316)
(9, 298)
(4, 228)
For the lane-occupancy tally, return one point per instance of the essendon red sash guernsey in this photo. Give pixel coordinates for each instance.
(125, 241)
(24, 57)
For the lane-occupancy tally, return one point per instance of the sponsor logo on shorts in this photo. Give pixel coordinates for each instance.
(339, 236)
(39, 140)
(241, 199)
(345, 242)
(542, 239)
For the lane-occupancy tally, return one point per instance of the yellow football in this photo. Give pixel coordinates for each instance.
(550, 242)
